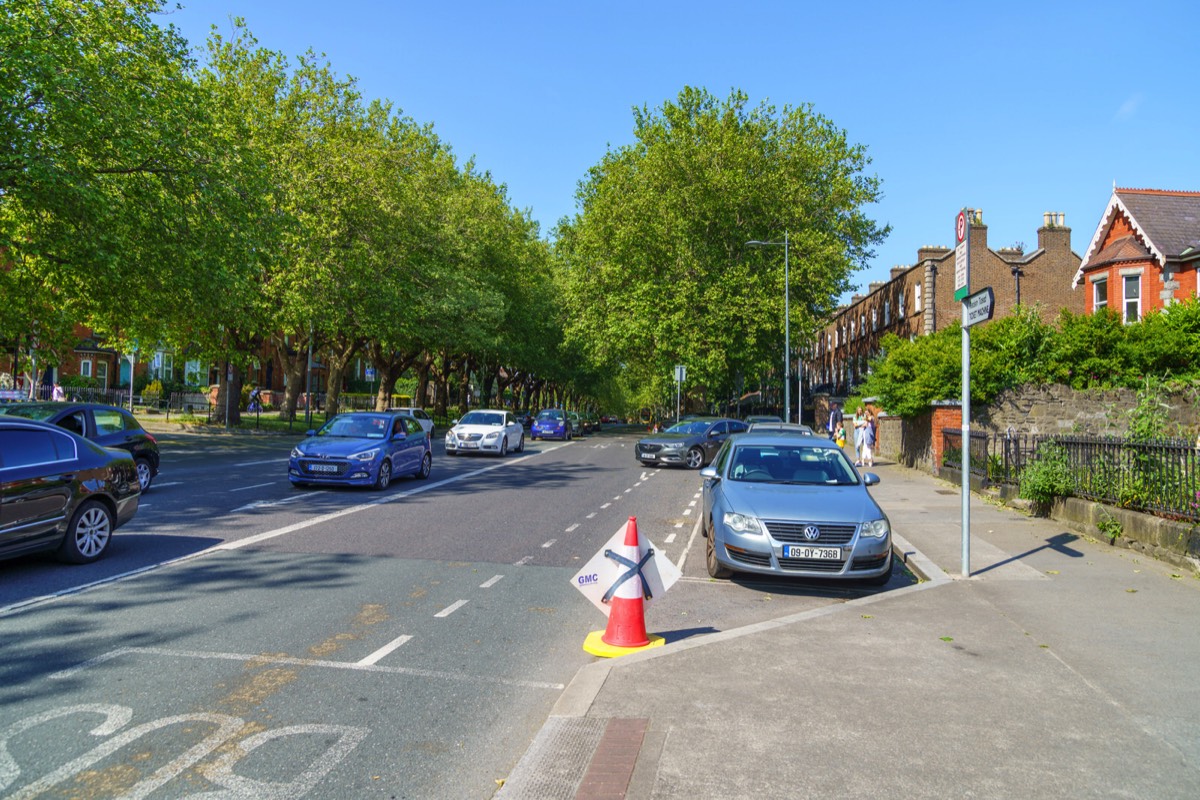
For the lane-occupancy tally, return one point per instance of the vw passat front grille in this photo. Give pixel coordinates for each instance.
(811, 564)
(746, 557)
(793, 532)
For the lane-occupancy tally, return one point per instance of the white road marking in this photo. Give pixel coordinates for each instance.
(551, 542)
(383, 651)
(168, 483)
(589, 516)
(606, 505)
(247, 488)
(678, 524)
(670, 538)
(256, 463)
(696, 495)
(618, 497)
(523, 561)
(691, 540)
(687, 512)
(692, 504)
(571, 528)
(450, 609)
(490, 582)
(297, 662)
(630, 489)
(272, 503)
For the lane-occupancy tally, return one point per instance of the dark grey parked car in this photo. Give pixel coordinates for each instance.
(691, 443)
(60, 492)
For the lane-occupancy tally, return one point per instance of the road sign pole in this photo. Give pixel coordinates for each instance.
(962, 288)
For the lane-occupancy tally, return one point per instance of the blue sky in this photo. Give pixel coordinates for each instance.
(1015, 108)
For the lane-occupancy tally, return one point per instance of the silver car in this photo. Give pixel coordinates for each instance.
(786, 504)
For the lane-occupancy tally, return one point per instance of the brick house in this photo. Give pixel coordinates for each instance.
(919, 299)
(1143, 254)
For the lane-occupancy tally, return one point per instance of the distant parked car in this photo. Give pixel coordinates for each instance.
(691, 443)
(763, 418)
(61, 492)
(783, 504)
(781, 427)
(577, 427)
(487, 431)
(419, 415)
(108, 426)
(362, 449)
(552, 423)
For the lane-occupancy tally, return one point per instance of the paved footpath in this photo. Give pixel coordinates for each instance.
(1061, 668)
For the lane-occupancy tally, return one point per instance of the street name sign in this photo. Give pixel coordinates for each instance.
(978, 307)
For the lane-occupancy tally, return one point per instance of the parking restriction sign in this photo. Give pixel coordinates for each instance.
(962, 256)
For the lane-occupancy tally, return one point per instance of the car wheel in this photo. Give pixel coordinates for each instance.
(715, 568)
(145, 473)
(426, 467)
(385, 475)
(695, 458)
(504, 447)
(521, 444)
(88, 534)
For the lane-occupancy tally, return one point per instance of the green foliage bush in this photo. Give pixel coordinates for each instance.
(1047, 475)
(1085, 351)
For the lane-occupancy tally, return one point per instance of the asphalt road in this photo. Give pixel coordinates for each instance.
(246, 637)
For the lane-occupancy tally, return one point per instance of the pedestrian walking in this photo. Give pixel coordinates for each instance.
(868, 449)
(835, 419)
(57, 394)
(860, 425)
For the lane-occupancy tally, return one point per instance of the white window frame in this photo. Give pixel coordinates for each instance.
(1126, 274)
(917, 299)
(887, 313)
(1097, 282)
(85, 367)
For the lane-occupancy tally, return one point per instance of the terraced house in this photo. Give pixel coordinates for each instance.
(919, 299)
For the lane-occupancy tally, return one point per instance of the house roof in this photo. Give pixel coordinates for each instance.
(1167, 224)
(1127, 248)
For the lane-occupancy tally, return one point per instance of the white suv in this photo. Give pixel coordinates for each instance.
(420, 416)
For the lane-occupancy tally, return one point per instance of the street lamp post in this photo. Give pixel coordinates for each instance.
(787, 334)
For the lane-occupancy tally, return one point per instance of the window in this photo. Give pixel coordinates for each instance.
(862, 324)
(874, 319)
(85, 368)
(917, 299)
(1133, 297)
(26, 448)
(1100, 294)
(900, 307)
(110, 421)
(852, 332)
(887, 313)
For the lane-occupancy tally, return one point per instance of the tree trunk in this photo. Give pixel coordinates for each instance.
(338, 358)
(293, 363)
(389, 365)
(423, 365)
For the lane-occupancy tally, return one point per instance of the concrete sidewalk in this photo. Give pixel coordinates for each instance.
(1062, 667)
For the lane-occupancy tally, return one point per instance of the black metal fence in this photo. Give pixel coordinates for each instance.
(1161, 476)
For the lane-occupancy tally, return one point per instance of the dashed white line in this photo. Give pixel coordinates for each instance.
(630, 489)
(589, 516)
(550, 543)
(618, 497)
(687, 511)
(490, 582)
(168, 483)
(523, 561)
(255, 486)
(450, 609)
(383, 651)
(571, 528)
(606, 505)
(697, 495)
(678, 524)
(692, 504)
(670, 538)
(256, 463)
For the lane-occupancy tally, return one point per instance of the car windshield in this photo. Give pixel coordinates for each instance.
(30, 412)
(546, 416)
(482, 418)
(356, 426)
(689, 428)
(781, 463)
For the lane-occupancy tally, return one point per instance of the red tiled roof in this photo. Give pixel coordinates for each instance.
(1127, 248)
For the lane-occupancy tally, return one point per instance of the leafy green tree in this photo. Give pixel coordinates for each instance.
(655, 266)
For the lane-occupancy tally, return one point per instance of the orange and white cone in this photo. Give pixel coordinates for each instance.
(627, 619)
(626, 631)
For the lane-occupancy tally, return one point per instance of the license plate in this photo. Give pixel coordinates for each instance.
(647, 456)
(469, 445)
(322, 468)
(817, 553)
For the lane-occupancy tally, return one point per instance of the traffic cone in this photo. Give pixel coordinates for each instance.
(627, 619)
(626, 631)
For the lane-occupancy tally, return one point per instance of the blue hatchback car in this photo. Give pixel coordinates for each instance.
(362, 449)
(552, 423)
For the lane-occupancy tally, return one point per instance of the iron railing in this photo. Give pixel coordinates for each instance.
(1161, 476)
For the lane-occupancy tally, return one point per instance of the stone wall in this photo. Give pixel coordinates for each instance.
(1059, 409)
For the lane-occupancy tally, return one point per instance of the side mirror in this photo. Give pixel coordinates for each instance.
(709, 473)
(310, 433)
(399, 435)
(453, 422)
(870, 478)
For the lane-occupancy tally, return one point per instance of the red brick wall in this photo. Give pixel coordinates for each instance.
(943, 417)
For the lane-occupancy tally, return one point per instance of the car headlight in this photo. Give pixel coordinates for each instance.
(673, 446)
(742, 523)
(297, 452)
(491, 437)
(875, 529)
(366, 455)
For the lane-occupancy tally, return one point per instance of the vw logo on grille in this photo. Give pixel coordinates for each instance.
(812, 532)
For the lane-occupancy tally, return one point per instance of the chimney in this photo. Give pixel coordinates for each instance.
(932, 252)
(856, 299)
(1054, 235)
(897, 271)
(875, 286)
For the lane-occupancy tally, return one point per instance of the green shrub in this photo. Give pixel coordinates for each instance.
(1047, 475)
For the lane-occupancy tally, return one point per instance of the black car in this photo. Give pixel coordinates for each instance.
(61, 492)
(691, 442)
(109, 426)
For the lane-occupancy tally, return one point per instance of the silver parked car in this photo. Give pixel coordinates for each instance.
(786, 504)
(691, 442)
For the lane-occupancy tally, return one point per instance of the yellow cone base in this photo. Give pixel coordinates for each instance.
(595, 644)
